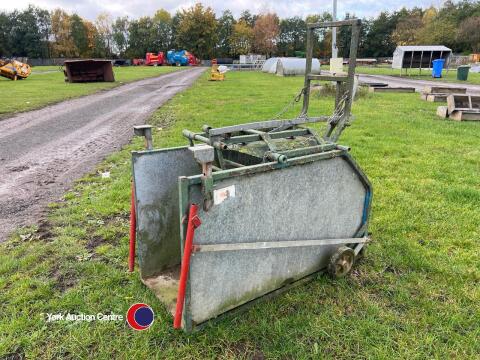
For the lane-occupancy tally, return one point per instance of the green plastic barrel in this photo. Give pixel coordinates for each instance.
(462, 72)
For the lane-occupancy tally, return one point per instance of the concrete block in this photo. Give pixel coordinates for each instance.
(442, 111)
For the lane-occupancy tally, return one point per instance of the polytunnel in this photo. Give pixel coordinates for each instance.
(270, 66)
(295, 66)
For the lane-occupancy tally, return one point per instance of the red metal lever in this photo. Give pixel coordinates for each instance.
(193, 223)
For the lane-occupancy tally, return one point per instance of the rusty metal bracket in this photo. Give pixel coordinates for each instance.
(205, 155)
(145, 131)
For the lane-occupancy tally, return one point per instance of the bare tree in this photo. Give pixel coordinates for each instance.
(103, 23)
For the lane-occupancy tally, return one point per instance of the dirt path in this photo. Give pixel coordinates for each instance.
(417, 84)
(43, 151)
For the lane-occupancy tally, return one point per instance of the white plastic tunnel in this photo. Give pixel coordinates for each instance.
(295, 66)
(270, 66)
(284, 66)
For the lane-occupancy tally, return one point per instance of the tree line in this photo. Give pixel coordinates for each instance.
(38, 33)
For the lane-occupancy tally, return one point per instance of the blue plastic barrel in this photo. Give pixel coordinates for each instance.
(437, 68)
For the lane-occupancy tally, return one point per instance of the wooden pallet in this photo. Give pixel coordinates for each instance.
(392, 89)
(373, 84)
(434, 97)
(463, 103)
(444, 90)
(465, 115)
(458, 115)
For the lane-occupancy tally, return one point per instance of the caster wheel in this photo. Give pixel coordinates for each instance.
(341, 262)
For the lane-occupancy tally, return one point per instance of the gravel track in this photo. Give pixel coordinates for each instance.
(43, 151)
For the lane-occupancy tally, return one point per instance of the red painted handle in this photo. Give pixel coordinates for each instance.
(133, 226)
(193, 223)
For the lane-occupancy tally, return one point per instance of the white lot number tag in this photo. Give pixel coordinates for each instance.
(220, 195)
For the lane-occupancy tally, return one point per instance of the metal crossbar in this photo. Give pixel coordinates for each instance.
(348, 22)
(278, 244)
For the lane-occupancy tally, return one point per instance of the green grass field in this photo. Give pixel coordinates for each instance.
(43, 69)
(451, 76)
(46, 86)
(416, 295)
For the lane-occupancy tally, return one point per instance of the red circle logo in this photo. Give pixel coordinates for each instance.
(140, 316)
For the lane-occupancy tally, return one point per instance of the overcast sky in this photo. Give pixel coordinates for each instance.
(284, 8)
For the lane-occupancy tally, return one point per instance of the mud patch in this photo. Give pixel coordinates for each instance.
(165, 286)
(64, 280)
(246, 351)
(44, 230)
(94, 241)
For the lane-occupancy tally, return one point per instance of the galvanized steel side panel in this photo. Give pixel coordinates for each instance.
(230, 279)
(155, 176)
(319, 200)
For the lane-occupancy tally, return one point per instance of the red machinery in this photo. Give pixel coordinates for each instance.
(192, 60)
(152, 59)
(138, 62)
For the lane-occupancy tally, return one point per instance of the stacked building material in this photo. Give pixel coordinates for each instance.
(440, 93)
(461, 107)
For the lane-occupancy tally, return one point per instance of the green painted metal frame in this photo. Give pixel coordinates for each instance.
(231, 137)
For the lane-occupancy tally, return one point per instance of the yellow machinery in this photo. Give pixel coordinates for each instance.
(13, 69)
(215, 74)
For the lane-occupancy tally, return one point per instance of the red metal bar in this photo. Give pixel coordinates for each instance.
(133, 226)
(193, 223)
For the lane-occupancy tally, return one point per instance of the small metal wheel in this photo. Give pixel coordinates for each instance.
(341, 262)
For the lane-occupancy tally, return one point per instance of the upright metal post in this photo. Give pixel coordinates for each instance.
(334, 31)
(308, 70)
(421, 61)
(352, 63)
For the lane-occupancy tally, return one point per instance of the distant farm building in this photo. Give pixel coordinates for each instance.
(419, 57)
